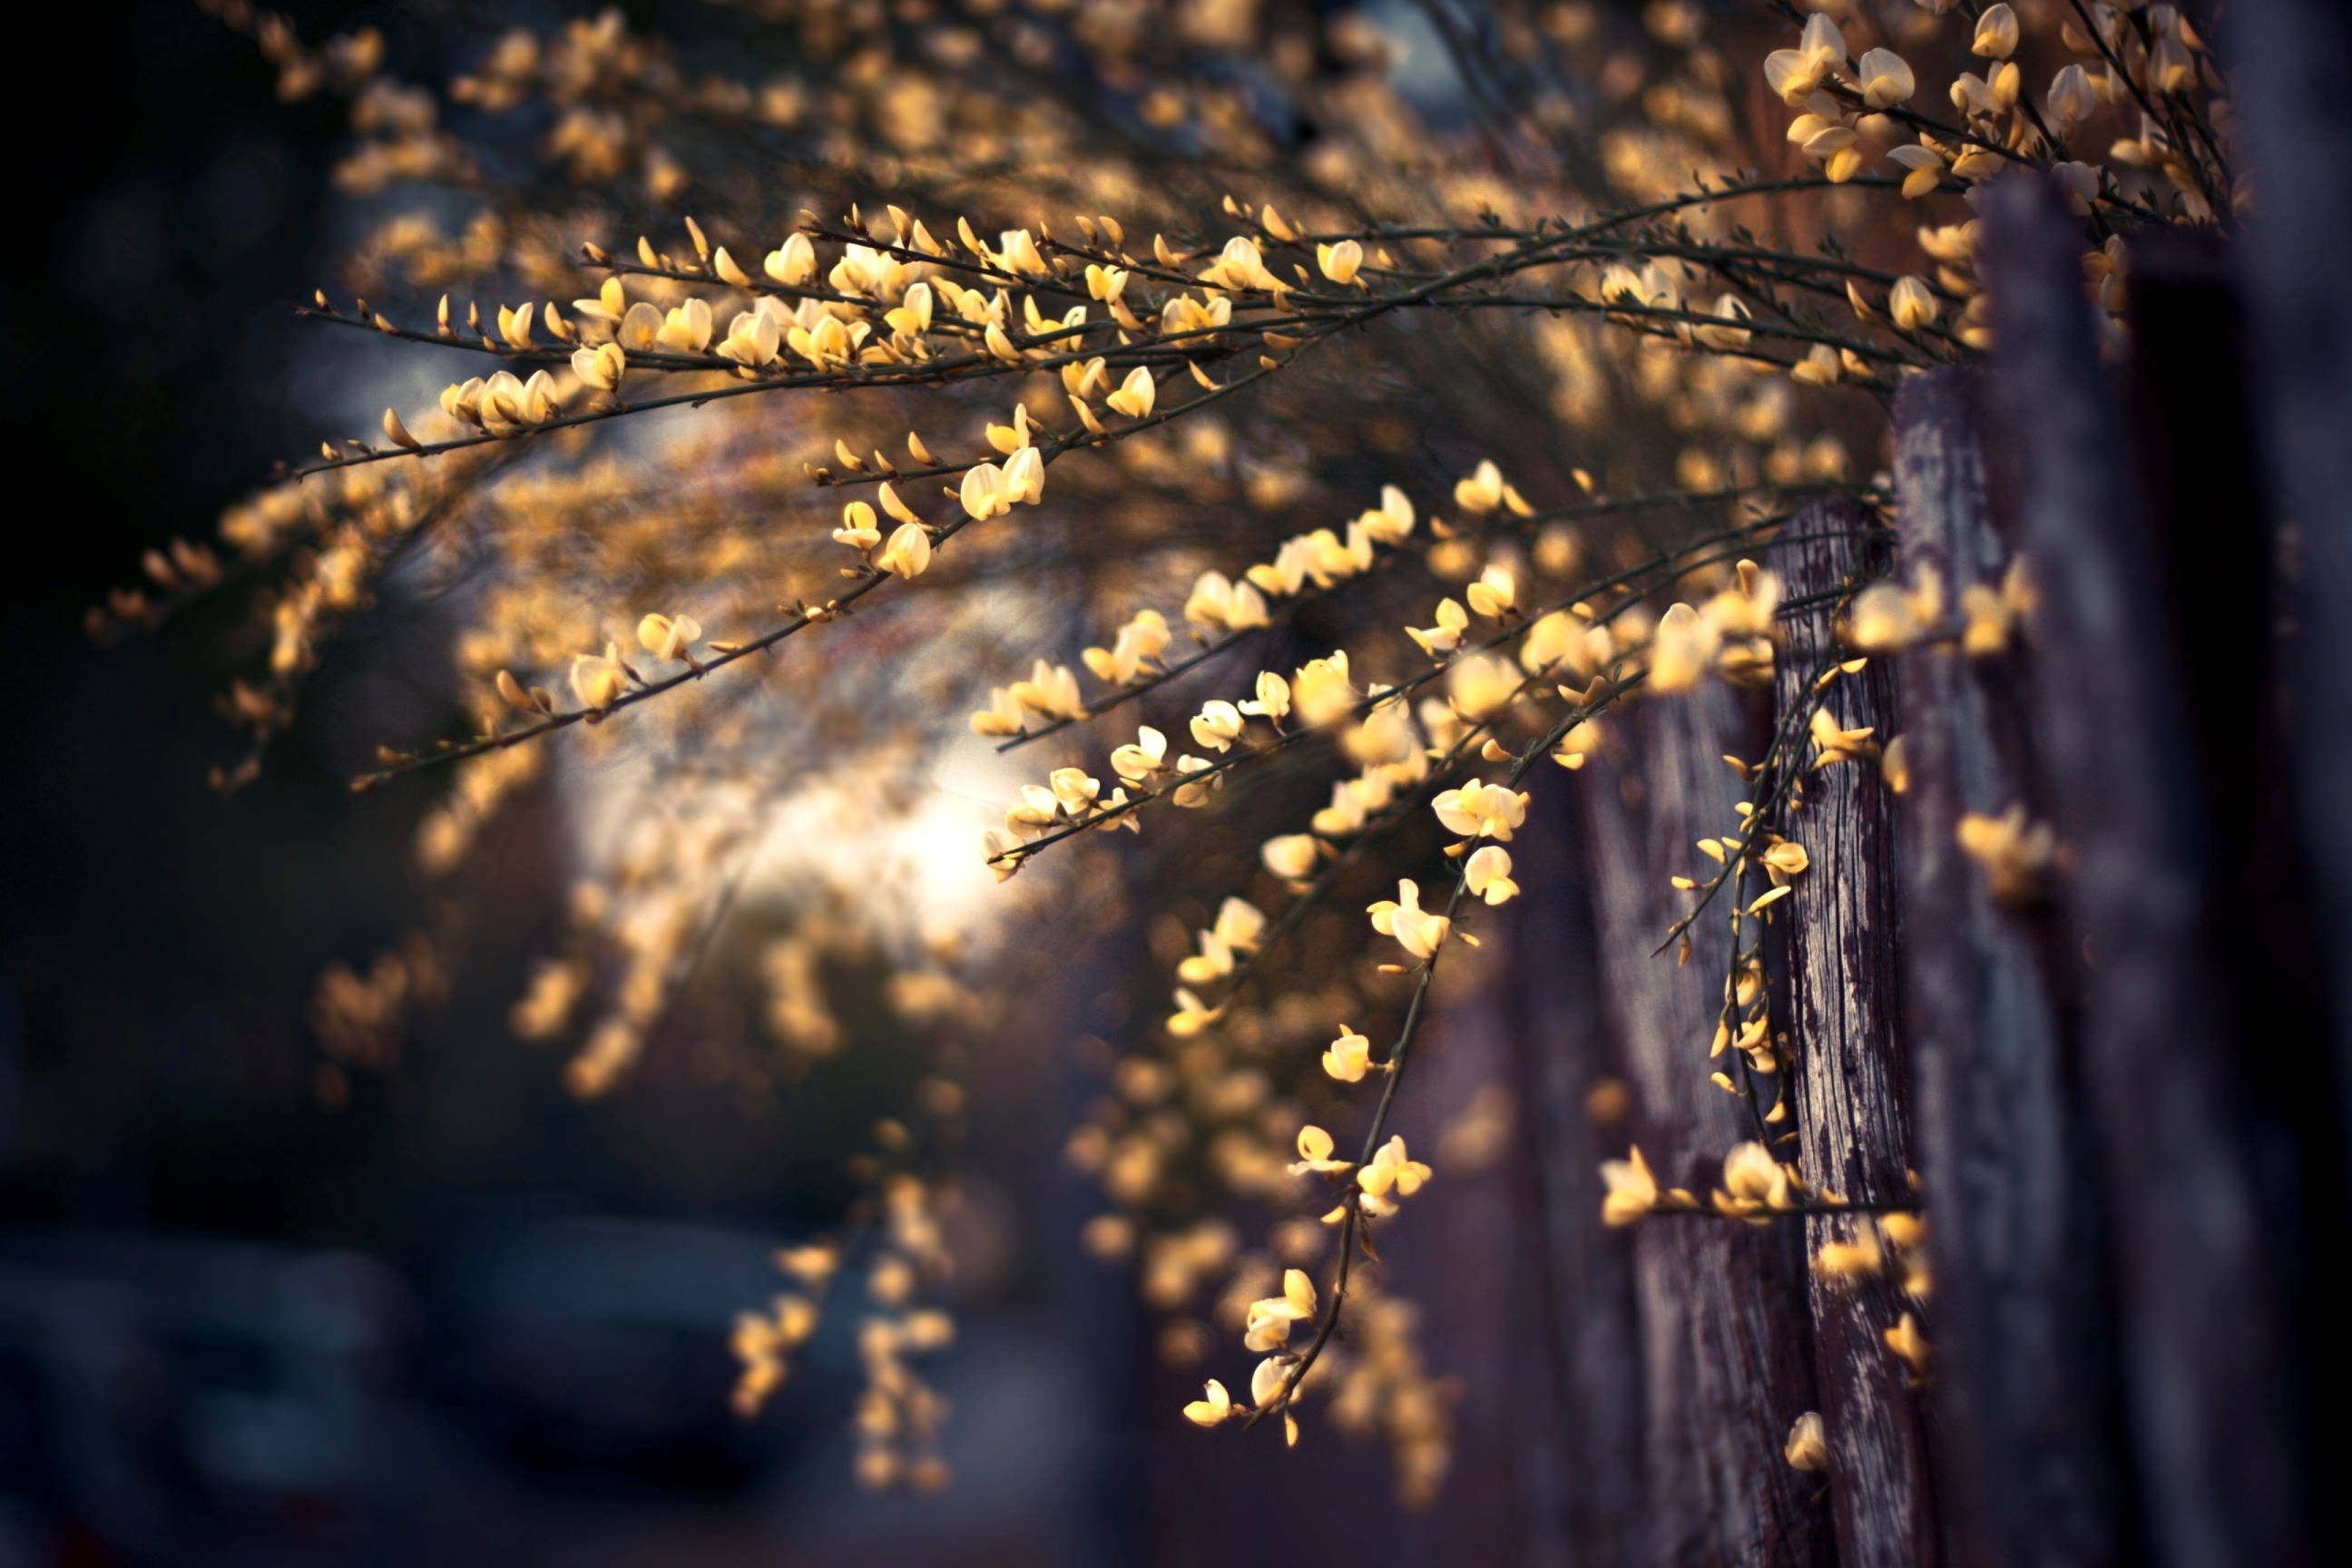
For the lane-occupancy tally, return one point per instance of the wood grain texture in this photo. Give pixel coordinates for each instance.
(1584, 1441)
(2205, 1371)
(2025, 1383)
(1726, 1358)
(1838, 959)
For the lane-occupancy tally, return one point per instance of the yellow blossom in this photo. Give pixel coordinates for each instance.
(1910, 1345)
(1446, 635)
(1796, 73)
(598, 682)
(1995, 33)
(1136, 394)
(1216, 724)
(1140, 758)
(1216, 1405)
(1886, 79)
(1487, 875)
(1478, 810)
(909, 553)
(1320, 692)
(1418, 931)
(1315, 1148)
(1217, 600)
(1833, 745)
(1392, 1171)
(1273, 701)
(1910, 303)
(2017, 857)
(666, 638)
(1290, 857)
(1493, 593)
(1632, 1190)
(1807, 1449)
(1349, 1056)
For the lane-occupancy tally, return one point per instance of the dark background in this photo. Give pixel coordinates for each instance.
(453, 1315)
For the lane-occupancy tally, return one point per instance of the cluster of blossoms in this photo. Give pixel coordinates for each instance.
(1677, 316)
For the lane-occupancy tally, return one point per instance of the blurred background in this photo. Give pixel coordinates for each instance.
(255, 1309)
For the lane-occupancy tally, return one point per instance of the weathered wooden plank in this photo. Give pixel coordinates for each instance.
(1726, 1360)
(1851, 1073)
(2206, 1383)
(2025, 1378)
(1584, 1416)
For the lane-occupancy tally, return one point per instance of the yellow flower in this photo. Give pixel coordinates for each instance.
(1494, 592)
(1419, 932)
(1051, 691)
(1340, 262)
(1216, 724)
(1349, 1056)
(1391, 522)
(1807, 1447)
(1446, 635)
(792, 265)
(1910, 303)
(600, 367)
(1795, 73)
(1004, 716)
(1682, 649)
(1290, 857)
(1267, 1325)
(1136, 394)
(668, 638)
(598, 682)
(909, 553)
(2016, 858)
(1216, 1406)
(1996, 35)
(1482, 492)
(1488, 875)
(1909, 1345)
(1217, 601)
(1315, 1148)
(1632, 1190)
(857, 528)
(1266, 1381)
(1392, 1172)
(1927, 171)
(1752, 1181)
(1273, 699)
(1479, 810)
(983, 492)
(1480, 686)
(1140, 758)
(1144, 637)
(1191, 1015)
(1833, 745)
(1320, 692)
(1886, 79)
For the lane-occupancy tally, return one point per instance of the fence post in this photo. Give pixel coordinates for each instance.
(2205, 1377)
(1843, 1017)
(2025, 1380)
(1726, 1341)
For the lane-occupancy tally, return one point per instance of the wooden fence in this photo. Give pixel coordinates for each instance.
(2119, 1083)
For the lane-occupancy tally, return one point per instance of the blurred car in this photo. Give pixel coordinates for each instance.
(602, 1344)
(165, 1397)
